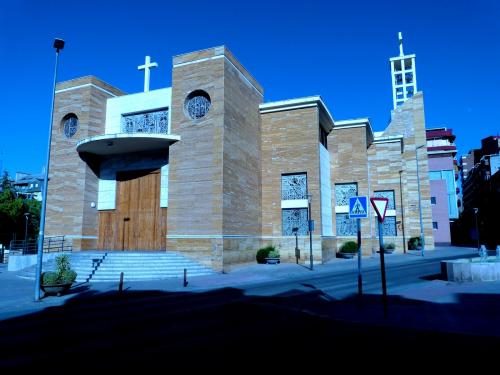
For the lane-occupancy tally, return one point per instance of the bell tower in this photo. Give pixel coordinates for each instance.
(404, 76)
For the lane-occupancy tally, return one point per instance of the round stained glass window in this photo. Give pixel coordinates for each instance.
(197, 104)
(70, 125)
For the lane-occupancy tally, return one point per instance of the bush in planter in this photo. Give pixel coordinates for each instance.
(414, 243)
(263, 253)
(273, 254)
(63, 274)
(389, 247)
(50, 278)
(349, 247)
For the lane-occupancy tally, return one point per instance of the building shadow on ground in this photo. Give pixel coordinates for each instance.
(211, 330)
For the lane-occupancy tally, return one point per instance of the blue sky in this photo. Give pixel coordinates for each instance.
(338, 49)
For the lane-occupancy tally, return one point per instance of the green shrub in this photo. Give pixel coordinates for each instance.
(389, 246)
(273, 254)
(62, 263)
(263, 253)
(50, 278)
(63, 274)
(413, 243)
(349, 247)
(67, 277)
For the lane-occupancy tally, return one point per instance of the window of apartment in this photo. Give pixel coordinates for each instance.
(434, 225)
(433, 200)
(345, 226)
(449, 177)
(389, 223)
(294, 208)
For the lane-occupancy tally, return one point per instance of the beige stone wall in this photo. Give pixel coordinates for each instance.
(214, 176)
(385, 160)
(196, 162)
(242, 159)
(409, 120)
(349, 163)
(72, 184)
(378, 168)
(290, 145)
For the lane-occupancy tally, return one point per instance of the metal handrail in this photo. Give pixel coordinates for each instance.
(50, 244)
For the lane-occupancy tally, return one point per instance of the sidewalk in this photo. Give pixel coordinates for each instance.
(17, 295)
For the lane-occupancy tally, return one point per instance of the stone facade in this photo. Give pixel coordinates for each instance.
(409, 120)
(290, 145)
(225, 168)
(214, 181)
(73, 183)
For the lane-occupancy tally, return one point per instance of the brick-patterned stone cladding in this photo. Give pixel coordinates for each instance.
(289, 145)
(214, 176)
(72, 183)
(409, 120)
(349, 163)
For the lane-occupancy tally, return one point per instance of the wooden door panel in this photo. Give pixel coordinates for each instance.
(138, 220)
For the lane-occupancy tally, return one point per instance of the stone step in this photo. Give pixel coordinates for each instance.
(135, 266)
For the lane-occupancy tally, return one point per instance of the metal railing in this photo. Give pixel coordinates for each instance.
(50, 244)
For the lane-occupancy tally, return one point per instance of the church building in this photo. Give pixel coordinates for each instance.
(208, 169)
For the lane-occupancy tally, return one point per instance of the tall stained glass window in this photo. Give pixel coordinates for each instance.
(294, 186)
(294, 218)
(345, 191)
(346, 226)
(389, 223)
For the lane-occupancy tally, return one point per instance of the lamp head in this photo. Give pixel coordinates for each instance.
(58, 44)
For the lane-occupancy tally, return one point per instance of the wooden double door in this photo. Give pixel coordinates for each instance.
(138, 222)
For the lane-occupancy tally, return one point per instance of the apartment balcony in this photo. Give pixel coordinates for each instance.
(448, 149)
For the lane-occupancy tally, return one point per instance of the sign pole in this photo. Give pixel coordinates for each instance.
(380, 205)
(382, 266)
(358, 209)
(360, 276)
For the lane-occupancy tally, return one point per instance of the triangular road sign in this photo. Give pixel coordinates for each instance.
(380, 206)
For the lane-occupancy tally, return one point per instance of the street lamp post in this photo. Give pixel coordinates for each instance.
(58, 45)
(422, 238)
(26, 216)
(310, 225)
(476, 211)
(402, 211)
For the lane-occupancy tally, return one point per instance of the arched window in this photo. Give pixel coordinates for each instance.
(69, 125)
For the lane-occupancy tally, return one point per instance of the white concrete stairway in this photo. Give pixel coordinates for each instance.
(82, 262)
(142, 266)
(102, 266)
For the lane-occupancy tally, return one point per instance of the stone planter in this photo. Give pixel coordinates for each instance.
(272, 260)
(340, 254)
(56, 289)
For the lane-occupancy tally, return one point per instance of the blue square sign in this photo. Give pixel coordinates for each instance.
(358, 207)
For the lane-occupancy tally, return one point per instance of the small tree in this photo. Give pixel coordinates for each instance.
(12, 210)
(63, 274)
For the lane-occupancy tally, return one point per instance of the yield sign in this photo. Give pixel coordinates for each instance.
(380, 206)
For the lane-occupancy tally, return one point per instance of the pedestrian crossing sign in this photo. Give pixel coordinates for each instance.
(358, 207)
